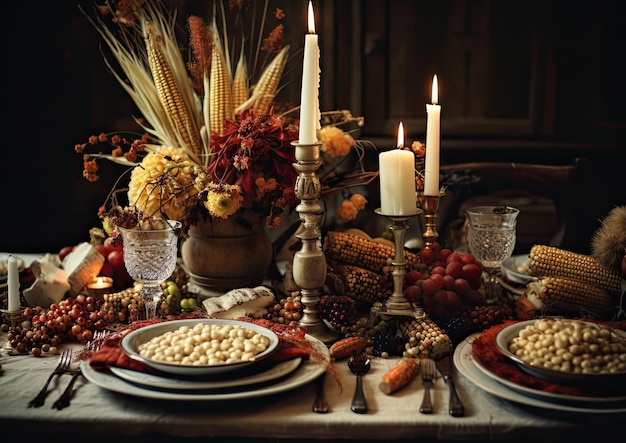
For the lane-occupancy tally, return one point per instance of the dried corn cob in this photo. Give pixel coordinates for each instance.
(240, 82)
(425, 339)
(549, 261)
(554, 294)
(183, 125)
(124, 306)
(221, 100)
(359, 283)
(399, 375)
(347, 346)
(266, 88)
(350, 249)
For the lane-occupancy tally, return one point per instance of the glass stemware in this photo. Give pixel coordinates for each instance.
(150, 258)
(491, 237)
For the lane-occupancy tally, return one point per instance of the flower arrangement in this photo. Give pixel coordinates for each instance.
(212, 144)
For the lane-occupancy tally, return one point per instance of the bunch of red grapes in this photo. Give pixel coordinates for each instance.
(447, 283)
(72, 319)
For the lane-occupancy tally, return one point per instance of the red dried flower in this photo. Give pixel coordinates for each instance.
(256, 147)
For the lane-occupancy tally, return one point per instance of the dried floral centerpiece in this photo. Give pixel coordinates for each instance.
(214, 146)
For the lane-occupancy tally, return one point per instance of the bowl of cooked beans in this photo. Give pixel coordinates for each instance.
(200, 347)
(566, 351)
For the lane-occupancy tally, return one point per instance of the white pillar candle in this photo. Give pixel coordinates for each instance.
(397, 180)
(433, 131)
(309, 103)
(13, 285)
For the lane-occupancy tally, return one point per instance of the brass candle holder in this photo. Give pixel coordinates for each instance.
(397, 303)
(430, 203)
(12, 317)
(309, 263)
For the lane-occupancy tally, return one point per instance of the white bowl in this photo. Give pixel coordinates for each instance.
(504, 337)
(512, 269)
(130, 345)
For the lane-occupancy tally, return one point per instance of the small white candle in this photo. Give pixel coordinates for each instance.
(433, 131)
(397, 180)
(13, 285)
(309, 103)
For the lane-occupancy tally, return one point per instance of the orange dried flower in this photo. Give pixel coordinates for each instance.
(347, 211)
(359, 201)
(274, 42)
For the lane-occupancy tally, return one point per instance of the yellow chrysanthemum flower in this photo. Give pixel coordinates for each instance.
(164, 183)
(223, 200)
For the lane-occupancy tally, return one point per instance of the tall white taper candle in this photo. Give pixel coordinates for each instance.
(309, 102)
(433, 139)
(13, 285)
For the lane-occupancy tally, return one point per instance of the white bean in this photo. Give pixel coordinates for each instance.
(206, 344)
(570, 346)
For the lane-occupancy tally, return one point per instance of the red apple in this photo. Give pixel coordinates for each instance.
(102, 250)
(116, 258)
(113, 244)
(65, 251)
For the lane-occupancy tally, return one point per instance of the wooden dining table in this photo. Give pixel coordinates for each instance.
(112, 409)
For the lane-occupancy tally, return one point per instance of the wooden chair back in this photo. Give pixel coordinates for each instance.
(547, 194)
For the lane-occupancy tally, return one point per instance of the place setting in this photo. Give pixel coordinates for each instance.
(492, 362)
(274, 366)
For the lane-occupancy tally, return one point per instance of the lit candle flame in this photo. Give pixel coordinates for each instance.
(311, 19)
(400, 136)
(435, 91)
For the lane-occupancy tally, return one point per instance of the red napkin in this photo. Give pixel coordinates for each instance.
(484, 350)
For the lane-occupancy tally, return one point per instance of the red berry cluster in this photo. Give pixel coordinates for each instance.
(449, 282)
(72, 319)
(484, 317)
(338, 310)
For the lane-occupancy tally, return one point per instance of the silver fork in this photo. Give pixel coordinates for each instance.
(62, 367)
(93, 345)
(429, 372)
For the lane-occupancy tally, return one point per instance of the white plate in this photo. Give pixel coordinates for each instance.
(308, 371)
(131, 342)
(547, 395)
(156, 381)
(504, 337)
(465, 364)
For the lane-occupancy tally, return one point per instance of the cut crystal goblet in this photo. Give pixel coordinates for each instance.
(491, 237)
(150, 258)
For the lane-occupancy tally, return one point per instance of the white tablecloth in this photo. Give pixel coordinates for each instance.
(100, 412)
(96, 411)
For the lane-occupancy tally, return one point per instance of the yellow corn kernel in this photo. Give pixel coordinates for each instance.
(221, 100)
(265, 90)
(350, 249)
(549, 261)
(564, 295)
(240, 83)
(175, 106)
(425, 339)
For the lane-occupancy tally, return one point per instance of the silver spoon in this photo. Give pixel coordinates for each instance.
(359, 364)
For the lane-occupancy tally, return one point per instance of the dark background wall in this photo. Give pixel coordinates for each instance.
(57, 92)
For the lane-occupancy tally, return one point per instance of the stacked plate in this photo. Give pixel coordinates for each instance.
(468, 365)
(245, 379)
